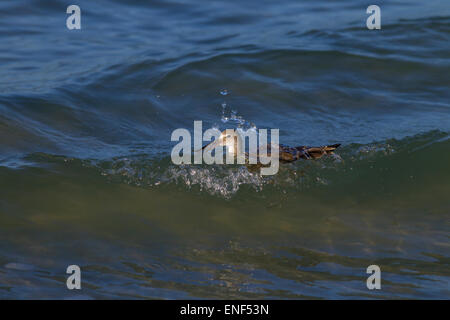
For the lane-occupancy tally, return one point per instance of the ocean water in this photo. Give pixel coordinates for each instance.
(86, 176)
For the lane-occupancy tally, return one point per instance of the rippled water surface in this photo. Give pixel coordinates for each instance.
(86, 176)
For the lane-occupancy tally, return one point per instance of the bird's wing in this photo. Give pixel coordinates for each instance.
(290, 154)
(286, 153)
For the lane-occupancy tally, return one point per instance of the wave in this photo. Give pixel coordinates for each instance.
(418, 161)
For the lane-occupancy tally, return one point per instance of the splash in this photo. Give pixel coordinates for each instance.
(231, 117)
(376, 164)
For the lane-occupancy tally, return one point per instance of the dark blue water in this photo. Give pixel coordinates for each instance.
(85, 172)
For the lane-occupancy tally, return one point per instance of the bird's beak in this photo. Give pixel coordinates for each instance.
(211, 146)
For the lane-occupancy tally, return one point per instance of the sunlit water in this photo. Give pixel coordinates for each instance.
(86, 176)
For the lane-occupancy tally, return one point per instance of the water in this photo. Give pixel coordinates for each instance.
(85, 172)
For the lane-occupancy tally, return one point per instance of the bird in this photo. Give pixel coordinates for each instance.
(234, 142)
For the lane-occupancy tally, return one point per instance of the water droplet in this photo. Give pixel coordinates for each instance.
(224, 118)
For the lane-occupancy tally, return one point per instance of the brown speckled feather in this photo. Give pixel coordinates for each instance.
(290, 154)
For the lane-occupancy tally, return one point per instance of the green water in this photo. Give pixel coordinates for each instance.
(86, 178)
(300, 236)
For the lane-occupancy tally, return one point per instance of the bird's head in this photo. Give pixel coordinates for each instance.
(229, 138)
